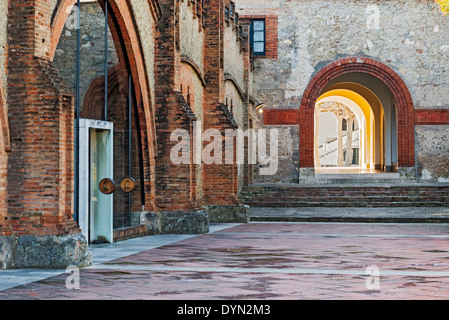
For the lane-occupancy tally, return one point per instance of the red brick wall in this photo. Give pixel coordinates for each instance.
(40, 165)
(273, 117)
(432, 117)
(219, 180)
(175, 184)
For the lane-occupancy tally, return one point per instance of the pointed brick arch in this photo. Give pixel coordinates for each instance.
(405, 108)
(127, 40)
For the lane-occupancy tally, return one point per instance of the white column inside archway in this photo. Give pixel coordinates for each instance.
(366, 141)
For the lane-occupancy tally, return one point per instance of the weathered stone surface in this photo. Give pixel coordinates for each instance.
(7, 245)
(433, 152)
(228, 213)
(49, 252)
(92, 49)
(175, 222)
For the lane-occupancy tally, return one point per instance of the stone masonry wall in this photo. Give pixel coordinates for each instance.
(234, 56)
(92, 50)
(432, 149)
(191, 34)
(409, 36)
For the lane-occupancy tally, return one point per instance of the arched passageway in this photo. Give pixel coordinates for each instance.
(122, 106)
(380, 95)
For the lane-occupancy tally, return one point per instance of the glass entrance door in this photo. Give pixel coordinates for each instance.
(101, 187)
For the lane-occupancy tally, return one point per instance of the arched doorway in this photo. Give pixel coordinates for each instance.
(389, 132)
(126, 105)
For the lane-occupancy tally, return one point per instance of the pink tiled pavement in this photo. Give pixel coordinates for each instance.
(267, 260)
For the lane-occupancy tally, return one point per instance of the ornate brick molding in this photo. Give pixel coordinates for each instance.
(278, 117)
(432, 117)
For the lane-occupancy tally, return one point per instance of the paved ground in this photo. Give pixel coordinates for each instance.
(260, 260)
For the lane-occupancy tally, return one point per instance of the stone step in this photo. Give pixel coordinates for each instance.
(347, 204)
(337, 196)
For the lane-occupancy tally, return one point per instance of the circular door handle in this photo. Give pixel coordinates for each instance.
(107, 186)
(128, 184)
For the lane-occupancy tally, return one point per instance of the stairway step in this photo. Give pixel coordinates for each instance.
(348, 204)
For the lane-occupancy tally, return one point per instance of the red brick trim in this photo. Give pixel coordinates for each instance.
(271, 27)
(406, 112)
(276, 117)
(93, 105)
(432, 117)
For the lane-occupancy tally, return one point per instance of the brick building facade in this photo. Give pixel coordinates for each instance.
(197, 67)
(171, 65)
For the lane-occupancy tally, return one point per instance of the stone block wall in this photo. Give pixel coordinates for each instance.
(410, 37)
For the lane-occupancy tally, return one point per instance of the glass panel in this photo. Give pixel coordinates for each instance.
(259, 36)
(100, 204)
(259, 25)
(259, 47)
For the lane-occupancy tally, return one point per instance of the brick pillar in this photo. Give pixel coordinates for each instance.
(219, 180)
(40, 165)
(175, 195)
(247, 166)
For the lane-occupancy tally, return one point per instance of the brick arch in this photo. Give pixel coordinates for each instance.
(127, 41)
(93, 105)
(405, 108)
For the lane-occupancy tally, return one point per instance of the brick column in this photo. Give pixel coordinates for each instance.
(40, 165)
(175, 195)
(220, 185)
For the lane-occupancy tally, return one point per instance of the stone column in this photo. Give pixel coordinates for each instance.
(348, 160)
(340, 162)
(317, 137)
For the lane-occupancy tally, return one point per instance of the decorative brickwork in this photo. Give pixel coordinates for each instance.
(276, 117)
(432, 117)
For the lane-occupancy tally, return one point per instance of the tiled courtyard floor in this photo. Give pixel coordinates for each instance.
(264, 260)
